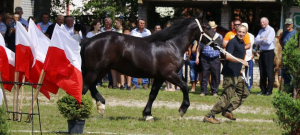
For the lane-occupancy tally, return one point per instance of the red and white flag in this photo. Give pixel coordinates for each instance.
(25, 53)
(63, 63)
(7, 64)
(41, 44)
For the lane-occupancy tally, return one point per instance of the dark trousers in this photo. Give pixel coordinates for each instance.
(266, 68)
(210, 65)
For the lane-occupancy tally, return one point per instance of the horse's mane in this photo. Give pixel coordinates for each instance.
(178, 27)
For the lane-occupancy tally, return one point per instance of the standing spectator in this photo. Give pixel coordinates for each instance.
(70, 26)
(10, 35)
(59, 21)
(265, 38)
(9, 19)
(140, 31)
(132, 22)
(193, 66)
(45, 23)
(126, 31)
(249, 59)
(289, 33)
(112, 74)
(22, 20)
(33, 19)
(157, 28)
(231, 34)
(119, 77)
(2, 22)
(95, 29)
(233, 83)
(210, 63)
(119, 25)
(76, 36)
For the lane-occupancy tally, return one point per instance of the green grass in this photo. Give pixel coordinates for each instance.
(129, 120)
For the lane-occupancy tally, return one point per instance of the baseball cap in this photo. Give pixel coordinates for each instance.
(288, 21)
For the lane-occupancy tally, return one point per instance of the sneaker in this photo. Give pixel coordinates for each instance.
(211, 119)
(122, 88)
(128, 88)
(110, 87)
(202, 95)
(146, 87)
(192, 90)
(228, 115)
(215, 95)
(133, 87)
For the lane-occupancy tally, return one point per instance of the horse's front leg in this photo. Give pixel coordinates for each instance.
(152, 96)
(176, 80)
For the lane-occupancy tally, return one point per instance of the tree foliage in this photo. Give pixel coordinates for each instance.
(4, 126)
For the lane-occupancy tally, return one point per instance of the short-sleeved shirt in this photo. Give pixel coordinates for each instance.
(50, 30)
(286, 36)
(135, 32)
(236, 48)
(91, 34)
(231, 35)
(43, 26)
(3, 27)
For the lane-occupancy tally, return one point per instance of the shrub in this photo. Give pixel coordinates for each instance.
(3, 121)
(69, 108)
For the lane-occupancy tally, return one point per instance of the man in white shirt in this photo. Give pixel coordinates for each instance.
(140, 31)
(70, 26)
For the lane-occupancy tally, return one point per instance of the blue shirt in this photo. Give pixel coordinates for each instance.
(24, 22)
(2, 27)
(286, 37)
(209, 51)
(43, 26)
(268, 33)
(135, 32)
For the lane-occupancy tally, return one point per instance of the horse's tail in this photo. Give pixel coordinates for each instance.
(83, 67)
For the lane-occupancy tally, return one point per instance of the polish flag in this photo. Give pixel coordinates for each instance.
(41, 44)
(25, 52)
(63, 63)
(7, 64)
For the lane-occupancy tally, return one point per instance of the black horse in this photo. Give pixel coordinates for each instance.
(159, 56)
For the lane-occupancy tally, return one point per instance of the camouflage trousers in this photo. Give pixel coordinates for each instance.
(232, 86)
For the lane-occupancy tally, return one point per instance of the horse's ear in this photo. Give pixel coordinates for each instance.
(200, 15)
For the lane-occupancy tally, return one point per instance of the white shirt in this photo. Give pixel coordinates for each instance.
(249, 51)
(91, 34)
(135, 32)
(71, 31)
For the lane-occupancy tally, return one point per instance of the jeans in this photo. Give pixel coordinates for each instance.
(135, 82)
(250, 63)
(193, 71)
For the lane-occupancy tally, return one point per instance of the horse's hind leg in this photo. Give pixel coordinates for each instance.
(176, 80)
(90, 82)
(152, 96)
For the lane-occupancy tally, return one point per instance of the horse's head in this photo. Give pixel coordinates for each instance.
(207, 35)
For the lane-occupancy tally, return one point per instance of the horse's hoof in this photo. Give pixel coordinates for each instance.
(149, 118)
(100, 108)
(181, 112)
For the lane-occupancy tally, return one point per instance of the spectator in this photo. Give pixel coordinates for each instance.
(9, 19)
(59, 21)
(157, 28)
(126, 31)
(249, 59)
(95, 29)
(22, 20)
(231, 34)
(210, 64)
(289, 33)
(132, 22)
(10, 35)
(112, 74)
(265, 38)
(119, 25)
(140, 31)
(76, 36)
(233, 83)
(119, 77)
(70, 26)
(45, 23)
(33, 19)
(193, 66)
(3, 27)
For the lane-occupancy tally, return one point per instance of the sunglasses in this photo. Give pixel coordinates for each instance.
(236, 24)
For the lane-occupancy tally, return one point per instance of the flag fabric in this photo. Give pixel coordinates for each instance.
(41, 44)
(25, 51)
(7, 64)
(63, 63)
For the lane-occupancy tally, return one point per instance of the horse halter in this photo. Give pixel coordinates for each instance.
(204, 34)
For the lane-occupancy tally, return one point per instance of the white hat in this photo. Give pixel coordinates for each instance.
(245, 24)
(212, 24)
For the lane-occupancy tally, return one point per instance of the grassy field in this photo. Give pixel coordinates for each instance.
(124, 115)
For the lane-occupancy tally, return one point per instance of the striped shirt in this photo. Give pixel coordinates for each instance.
(209, 51)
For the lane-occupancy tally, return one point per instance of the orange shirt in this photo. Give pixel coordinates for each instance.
(230, 35)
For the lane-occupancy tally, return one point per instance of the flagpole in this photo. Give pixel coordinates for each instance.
(5, 99)
(22, 96)
(37, 90)
(16, 98)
